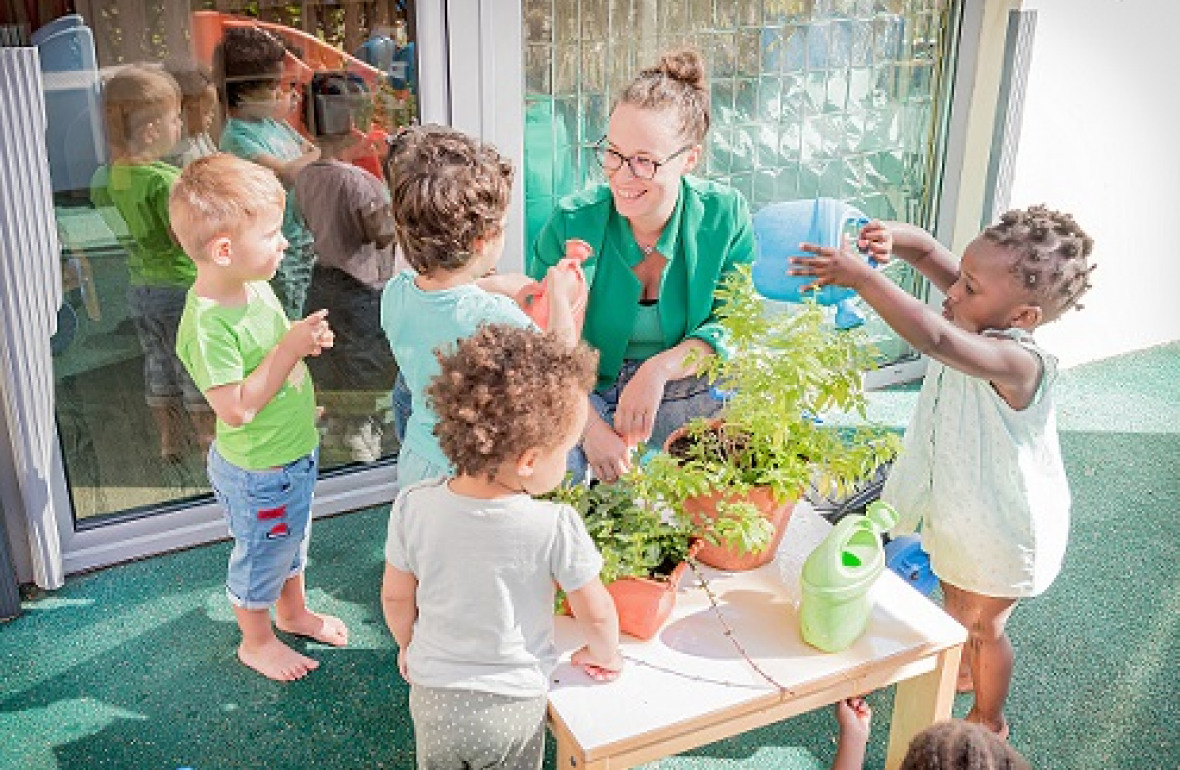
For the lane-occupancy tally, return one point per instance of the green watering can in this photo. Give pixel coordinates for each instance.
(837, 576)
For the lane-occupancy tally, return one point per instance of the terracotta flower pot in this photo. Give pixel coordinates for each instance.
(704, 508)
(644, 604)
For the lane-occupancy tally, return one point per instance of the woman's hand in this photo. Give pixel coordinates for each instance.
(877, 239)
(607, 454)
(635, 416)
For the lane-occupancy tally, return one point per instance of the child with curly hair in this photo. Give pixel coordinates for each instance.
(952, 744)
(472, 560)
(981, 470)
(450, 196)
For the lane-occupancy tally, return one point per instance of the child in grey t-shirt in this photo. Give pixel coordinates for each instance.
(471, 560)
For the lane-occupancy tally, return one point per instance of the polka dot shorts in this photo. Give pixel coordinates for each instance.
(470, 730)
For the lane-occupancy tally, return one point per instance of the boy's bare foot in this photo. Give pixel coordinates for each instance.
(277, 661)
(327, 629)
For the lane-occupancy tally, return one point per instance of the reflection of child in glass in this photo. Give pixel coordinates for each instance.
(198, 107)
(472, 560)
(450, 197)
(981, 471)
(249, 65)
(142, 109)
(248, 360)
(952, 744)
(347, 210)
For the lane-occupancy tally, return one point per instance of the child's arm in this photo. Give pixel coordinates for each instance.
(914, 245)
(1012, 370)
(594, 612)
(399, 604)
(563, 283)
(377, 224)
(237, 403)
(854, 716)
(508, 284)
(287, 170)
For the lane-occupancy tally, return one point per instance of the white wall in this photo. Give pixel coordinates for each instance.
(1101, 139)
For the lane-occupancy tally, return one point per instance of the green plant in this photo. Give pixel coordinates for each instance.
(785, 370)
(634, 539)
(639, 536)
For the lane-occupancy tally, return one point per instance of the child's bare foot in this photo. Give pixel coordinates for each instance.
(277, 661)
(323, 628)
(1000, 728)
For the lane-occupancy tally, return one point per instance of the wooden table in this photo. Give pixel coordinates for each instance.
(690, 685)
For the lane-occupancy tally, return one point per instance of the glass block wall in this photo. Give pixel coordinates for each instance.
(811, 98)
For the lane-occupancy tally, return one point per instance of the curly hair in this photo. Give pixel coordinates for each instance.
(956, 744)
(676, 82)
(505, 390)
(247, 59)
(1050, 256)
(447, 191)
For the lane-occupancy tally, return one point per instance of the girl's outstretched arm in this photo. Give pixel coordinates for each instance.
(1013, 370)
(917, 247)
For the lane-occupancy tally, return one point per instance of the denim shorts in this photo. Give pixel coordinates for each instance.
(269, 517)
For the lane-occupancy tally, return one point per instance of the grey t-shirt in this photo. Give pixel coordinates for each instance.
(333, 196)
(486, 571)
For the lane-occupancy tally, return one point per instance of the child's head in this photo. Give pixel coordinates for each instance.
(142, 109)
(450, 196)
(511, 402)
(198, 97)
(228, 211)
(956, 744)
(249, 66)
(335, 110)
(1023, 271)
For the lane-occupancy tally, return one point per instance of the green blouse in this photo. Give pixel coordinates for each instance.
(708, 235)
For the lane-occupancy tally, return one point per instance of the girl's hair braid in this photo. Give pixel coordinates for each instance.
(956, 744)
(1051, 254)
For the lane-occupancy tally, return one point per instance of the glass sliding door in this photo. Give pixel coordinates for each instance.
(131, 440)
(810, 98)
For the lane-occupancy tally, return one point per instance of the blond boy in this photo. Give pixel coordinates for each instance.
(247, 358)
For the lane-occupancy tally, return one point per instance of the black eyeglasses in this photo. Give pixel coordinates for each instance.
(642, 167)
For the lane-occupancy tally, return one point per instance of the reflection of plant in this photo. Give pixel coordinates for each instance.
(785, 370)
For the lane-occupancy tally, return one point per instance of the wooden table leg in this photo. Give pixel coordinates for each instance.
(920, 702)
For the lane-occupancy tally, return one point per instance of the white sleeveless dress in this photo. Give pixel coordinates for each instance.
(985, 482)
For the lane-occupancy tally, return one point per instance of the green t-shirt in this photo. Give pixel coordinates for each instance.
(221, 345)
(139, 192)
(708, 236)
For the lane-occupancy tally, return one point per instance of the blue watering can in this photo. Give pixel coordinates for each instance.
(781, 227)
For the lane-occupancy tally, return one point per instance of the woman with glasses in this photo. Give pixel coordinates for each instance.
(663, 241)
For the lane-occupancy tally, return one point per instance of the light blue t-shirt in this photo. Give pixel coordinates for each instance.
(251, 138)
(417, 323)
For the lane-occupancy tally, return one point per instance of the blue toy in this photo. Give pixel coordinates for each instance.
(781, 227)
(905, 558)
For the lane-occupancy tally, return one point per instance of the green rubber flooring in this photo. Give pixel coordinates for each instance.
(134, 667)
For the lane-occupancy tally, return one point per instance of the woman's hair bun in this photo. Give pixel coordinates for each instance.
(684, 65)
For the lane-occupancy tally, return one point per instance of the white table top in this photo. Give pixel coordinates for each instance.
(691, 668)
